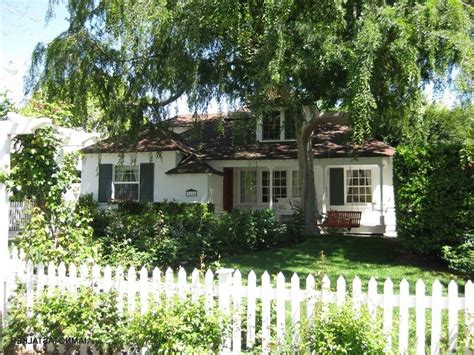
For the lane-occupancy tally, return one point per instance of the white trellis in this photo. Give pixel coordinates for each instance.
(13, 125)
(238, 299)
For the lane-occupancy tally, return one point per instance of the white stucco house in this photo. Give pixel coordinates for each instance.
(196, 159)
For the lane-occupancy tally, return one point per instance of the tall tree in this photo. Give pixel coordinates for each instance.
(371, 59)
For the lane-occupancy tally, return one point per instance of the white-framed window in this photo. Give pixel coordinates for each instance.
(295, 183)
(279, 184)
(248, 186)
(126, 182)
(359, 186)
(271, 126)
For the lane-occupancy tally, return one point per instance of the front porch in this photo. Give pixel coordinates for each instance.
(343, 184)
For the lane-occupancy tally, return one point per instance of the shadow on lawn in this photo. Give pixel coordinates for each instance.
(345, 255)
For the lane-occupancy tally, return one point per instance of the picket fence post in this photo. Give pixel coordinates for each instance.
(266, 302)
(420, 317)
(436, 294)
(195, 285)
(251, 297)
(340, 291)
(469, 314)
(372, 299)
(280, 309)
(209, 290)
(225, 284)
(452, 316)
(295, 309)
(388, 312)
(403, 327)
(236, 309)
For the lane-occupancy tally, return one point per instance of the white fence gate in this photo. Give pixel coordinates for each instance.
(230, 291)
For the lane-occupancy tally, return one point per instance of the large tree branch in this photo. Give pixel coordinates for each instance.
(315, 118)
(156, 103)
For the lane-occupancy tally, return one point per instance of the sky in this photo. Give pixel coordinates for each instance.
(23, 25)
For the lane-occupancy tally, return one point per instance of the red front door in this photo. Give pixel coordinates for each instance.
(228, 193)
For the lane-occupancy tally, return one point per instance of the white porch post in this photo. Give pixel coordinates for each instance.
(382, 217)
(270, 182)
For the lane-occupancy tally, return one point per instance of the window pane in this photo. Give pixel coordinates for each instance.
(359, 186)
(295, 185)
(126, 192)
(126, 173)
(248, 186)
(279, 185)
(271, 126)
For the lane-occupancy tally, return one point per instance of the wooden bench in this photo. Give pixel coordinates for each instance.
(342, 219)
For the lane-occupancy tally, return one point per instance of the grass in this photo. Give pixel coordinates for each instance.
(348, 256)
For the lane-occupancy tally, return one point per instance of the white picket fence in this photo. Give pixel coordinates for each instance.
(239, 300)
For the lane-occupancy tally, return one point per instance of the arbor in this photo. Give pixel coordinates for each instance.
(134, 59)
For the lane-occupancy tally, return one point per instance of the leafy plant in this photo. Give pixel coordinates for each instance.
(433, 195)
(166, 234)
(461, 257)
(65, 235)
(84, 314)
(339, 330)
(178, 326)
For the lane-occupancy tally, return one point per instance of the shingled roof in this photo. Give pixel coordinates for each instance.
(329, 141)
(147, 140)
(216, 143)
(192, 165)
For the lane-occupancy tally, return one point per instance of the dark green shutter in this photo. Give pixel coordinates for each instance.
(147, 182)
(105, 182)
(336, 186)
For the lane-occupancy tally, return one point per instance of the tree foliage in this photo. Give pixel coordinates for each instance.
(133, 59)
(5, 105)
(433, 187)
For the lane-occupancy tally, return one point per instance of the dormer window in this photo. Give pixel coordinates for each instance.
(271, 126)
(277, 126)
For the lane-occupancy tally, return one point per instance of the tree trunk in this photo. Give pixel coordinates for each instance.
(312, 119)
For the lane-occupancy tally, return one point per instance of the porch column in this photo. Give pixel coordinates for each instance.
(270, 193)
(382, 217)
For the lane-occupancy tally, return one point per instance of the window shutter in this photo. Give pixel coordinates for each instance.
(147, 182)
(105, 182)
(336, 186)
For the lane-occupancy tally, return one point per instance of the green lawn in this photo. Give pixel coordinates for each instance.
(348, 256)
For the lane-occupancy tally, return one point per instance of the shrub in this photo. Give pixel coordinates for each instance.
(170, 234)
(341, 331)
(178, 326)
(88, 315)
(433, 193)
(461, 257)
(63, 235)
(172, 325)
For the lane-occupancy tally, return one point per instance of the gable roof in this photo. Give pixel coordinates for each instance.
(216, 143)
(192, 165)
